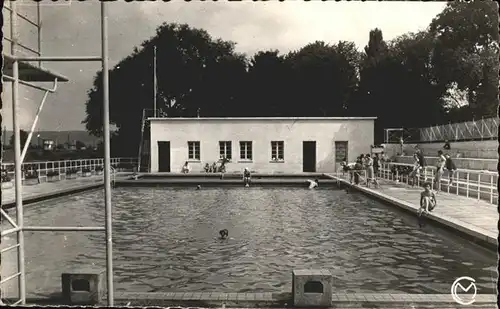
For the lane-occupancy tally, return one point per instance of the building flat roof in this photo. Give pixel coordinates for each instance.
(259, 118)
(31, 73)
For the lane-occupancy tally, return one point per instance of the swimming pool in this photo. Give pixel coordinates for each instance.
(165, 240)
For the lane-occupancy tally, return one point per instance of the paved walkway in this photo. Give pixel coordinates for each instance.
(32, 191)
(277, 297)
(474, 217)
(284, 300)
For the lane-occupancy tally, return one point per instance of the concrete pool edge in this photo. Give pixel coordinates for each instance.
(207, 182)
(285, 299)
(54, 194)
(76, 188)
(176, 180)
(268, 299)
(468, 231)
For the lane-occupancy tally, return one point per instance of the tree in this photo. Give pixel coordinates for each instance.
(466, 53)
(397, 84)
(324, 77)
(418, 97)
(79, 145)
(195, 73)
(23, 136)
(269, 85)
(372, 83)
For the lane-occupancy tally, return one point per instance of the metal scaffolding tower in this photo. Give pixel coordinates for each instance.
(19, 69)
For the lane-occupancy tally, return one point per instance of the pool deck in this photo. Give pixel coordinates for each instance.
(475, 219)
(282, 300)
(47, 190)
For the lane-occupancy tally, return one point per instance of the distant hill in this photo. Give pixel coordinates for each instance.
(60, 137)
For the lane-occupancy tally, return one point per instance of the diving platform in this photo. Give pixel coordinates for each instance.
(29, 72)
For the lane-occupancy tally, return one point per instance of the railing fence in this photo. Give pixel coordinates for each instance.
(482, 129)
(44, 169)
(481, 185)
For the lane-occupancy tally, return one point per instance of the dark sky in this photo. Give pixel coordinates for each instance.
(74, 30)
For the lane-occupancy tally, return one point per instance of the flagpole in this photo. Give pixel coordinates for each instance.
(155, 82)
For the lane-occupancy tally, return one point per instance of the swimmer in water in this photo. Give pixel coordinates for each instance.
(313, 183)
(223, 234)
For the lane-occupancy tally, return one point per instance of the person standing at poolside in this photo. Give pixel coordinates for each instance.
(439, 169)
(415, 171)
(421, 162)
(451, 168)
(421, 158)
(370, 173)
(348, 168)
(357, 168)
(383, 157)
(376, 164)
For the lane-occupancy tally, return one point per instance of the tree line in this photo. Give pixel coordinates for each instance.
(23, 135)
(449, 72)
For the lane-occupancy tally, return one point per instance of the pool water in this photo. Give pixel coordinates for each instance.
(165, 239)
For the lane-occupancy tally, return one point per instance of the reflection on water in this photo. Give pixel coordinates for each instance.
(165, 239)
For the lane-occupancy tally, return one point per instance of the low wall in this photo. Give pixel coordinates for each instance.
(471, 149)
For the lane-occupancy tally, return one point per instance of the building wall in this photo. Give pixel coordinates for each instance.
(358, 132)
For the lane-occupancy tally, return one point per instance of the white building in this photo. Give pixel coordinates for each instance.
(48, 145)
(265, 145)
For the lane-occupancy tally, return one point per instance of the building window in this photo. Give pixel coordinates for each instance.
(225, 150)
(277, 151)
(194, 151)
(246, 150)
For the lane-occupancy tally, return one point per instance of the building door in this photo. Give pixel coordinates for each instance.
(340, 153)
(164, 157)
(309, 156)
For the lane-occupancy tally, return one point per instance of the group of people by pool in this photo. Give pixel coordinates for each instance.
(247, 175)
(369, 163)
(208, 168)
(444, 164)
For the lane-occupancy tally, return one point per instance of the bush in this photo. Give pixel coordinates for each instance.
(6, 177)
(86, 170)
(52, 173)
(72, 171)
(126, 166)
(31, 174)
(99, 168)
